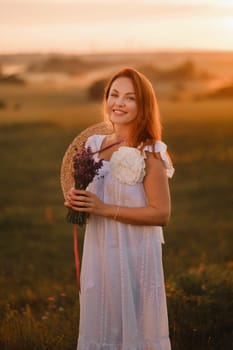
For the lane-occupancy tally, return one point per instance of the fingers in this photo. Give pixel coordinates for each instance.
(67, 204)
(79, 199)
(82, 201)
(79, 192)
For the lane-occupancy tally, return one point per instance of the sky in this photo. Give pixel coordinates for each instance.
(90, 26)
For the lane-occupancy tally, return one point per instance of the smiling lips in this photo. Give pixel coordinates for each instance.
(118, 111)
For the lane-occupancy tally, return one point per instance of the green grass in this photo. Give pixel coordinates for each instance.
(39, 299)
(36, 243)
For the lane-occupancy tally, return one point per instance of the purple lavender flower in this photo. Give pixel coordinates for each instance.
(85, 168)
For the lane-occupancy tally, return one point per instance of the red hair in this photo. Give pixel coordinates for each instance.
(147, 126)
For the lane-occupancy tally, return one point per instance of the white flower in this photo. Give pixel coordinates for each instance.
(128, 165)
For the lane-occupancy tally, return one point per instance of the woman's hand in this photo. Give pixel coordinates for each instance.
(84, 201)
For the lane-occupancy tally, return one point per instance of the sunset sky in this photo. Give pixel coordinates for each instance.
(84, 26)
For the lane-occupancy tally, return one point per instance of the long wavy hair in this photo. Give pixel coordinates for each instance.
(146, 128)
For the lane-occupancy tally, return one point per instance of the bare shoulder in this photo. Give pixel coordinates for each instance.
(155, 166)
(154, 162)
(156, 181)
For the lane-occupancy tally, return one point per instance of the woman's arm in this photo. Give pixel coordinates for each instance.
(156, 212)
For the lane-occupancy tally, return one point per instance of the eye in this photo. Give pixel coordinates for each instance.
(131, 98)
(113, 94)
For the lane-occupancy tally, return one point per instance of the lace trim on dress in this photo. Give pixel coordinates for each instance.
(161, 148)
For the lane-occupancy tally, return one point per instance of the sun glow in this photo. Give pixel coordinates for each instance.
(88, 26)
(228, 23)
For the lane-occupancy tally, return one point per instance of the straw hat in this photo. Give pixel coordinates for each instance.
(67, 180)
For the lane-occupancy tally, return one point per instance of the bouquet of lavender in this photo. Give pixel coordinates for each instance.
(85, 168)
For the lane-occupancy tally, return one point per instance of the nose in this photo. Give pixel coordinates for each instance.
(120, 101)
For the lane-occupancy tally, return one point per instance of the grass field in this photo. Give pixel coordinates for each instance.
(38, 298)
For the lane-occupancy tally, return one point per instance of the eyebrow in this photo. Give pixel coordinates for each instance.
(127, 93)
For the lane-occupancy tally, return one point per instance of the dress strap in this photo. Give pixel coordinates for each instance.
(161, 148)
(95, 142)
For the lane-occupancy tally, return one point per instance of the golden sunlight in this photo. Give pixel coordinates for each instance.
(95, 26)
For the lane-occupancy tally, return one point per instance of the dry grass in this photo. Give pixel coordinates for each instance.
(39, 301)
(70, 106)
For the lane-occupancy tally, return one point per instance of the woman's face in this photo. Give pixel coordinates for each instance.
(121, 106)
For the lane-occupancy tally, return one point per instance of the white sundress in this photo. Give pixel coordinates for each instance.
(122, 300)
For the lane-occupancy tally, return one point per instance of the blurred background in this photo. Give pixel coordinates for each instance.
(55, 58)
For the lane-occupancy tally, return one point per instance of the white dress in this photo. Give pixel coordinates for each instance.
(122, 300)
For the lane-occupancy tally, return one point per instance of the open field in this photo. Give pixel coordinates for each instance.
(70, 106)
(38, 295)
(182, 82)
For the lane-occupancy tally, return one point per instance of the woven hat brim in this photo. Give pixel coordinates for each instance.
(66, 176)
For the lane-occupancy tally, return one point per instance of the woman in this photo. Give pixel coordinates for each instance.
(123, 303)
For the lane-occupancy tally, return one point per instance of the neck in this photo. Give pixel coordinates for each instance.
(121, 132)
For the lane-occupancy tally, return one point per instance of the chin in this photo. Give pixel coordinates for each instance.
(121, 121)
